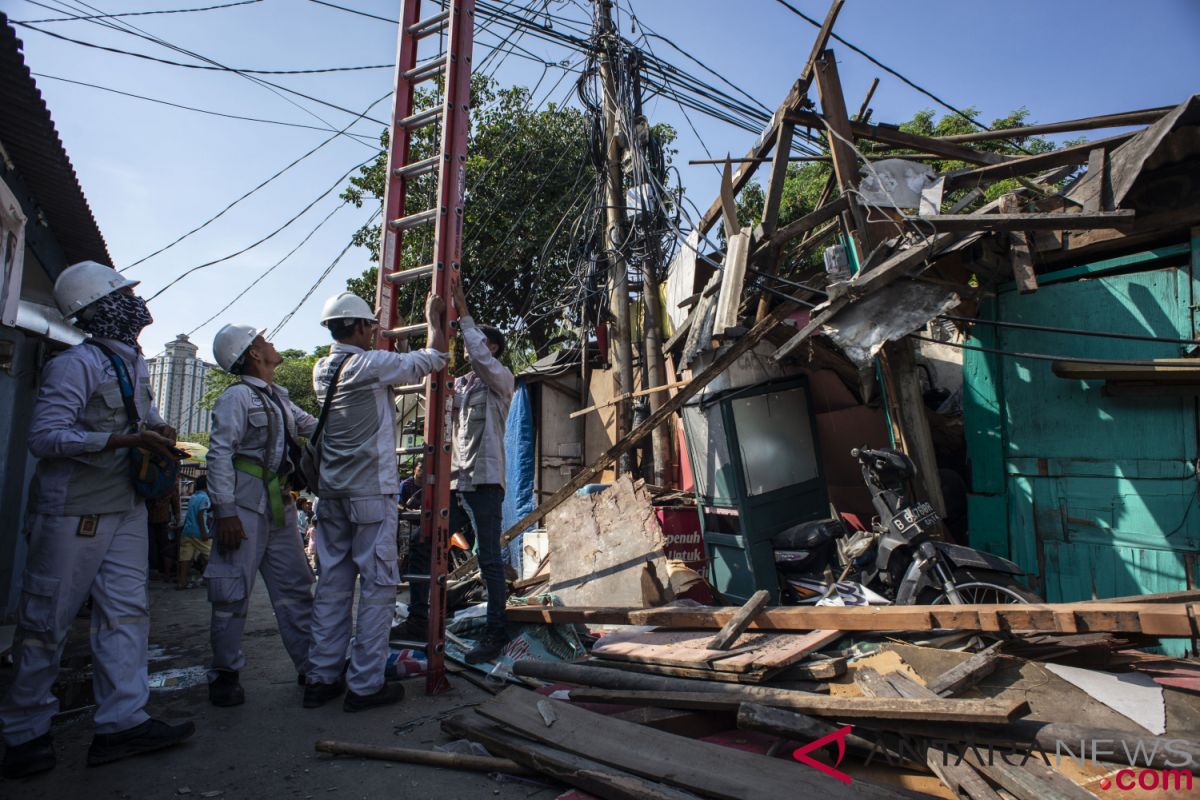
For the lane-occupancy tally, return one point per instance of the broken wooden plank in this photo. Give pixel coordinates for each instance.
(1030, 780)
(1031, 222)
(891, 135)
(733, 278)
(612, 677)
(801, 226)
(941, 710)
(429, 758)
(740, 621)
(593, 777)
(1143, 117)
(985, 176)
(1101, 199)
(959, 778)
(697, 766)
(1152, 619)
(976, 667)
(690, 649)
(801, 727)
(795, 100)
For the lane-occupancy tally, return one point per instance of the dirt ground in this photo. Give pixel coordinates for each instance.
(261, 750)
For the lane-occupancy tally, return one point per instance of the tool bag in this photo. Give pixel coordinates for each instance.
(310, 458)
(153, 475)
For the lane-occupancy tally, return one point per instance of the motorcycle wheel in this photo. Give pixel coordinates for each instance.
(986, 587)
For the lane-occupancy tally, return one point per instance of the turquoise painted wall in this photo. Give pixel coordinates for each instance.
(1094, 496)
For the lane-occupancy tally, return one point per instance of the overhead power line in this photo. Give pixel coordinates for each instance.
(262, 185)
(208, 67)
(321, 279)
(372, 140)
(137, 13)
(271, 235)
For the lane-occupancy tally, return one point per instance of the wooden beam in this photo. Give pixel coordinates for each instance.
(891, 135)
(430, 758)
(740, 621)
(994, 710)
(793, 102)
(1031, 222)
(626, 396)
(804, 728)
(801, 226)
(957, 678)
(1144, 117)
(985, 176)
(1152, 619)
(1101, 199)
(960, 778)
(1020, 251)
(591, 776)
(845, 159)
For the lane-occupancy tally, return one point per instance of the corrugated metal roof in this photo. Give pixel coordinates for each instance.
(29, 137)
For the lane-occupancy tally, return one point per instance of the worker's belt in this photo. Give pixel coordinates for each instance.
(271, 484)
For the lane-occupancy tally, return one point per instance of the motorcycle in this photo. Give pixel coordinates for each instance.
(897, 560)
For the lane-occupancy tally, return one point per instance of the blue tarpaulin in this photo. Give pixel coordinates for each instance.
(519, 455)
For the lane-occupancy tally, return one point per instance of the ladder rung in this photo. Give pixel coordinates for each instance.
(413, 220)
(429, 25)
(412, 388)
(417, 168)
(420, 118)
(403, 276)
(410, 451)
(407, 330)
(415, 578)
(427, 69)
(408, 644)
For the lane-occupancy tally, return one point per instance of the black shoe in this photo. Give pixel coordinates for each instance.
(392, 692)
(29, 758)
(318, 694)
(153, 734)
(411, 630)
(225, 690)
(489, 647)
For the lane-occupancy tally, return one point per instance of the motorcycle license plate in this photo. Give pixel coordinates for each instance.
(916, 519)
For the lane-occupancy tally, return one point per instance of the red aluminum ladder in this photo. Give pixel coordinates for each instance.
(454, 67)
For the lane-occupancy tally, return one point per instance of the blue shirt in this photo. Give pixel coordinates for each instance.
(198, 504)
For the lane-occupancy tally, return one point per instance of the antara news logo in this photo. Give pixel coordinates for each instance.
(1156, 764)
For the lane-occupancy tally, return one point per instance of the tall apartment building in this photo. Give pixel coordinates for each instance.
(178, 379)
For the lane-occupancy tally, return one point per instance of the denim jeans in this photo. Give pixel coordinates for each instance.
(477, 514)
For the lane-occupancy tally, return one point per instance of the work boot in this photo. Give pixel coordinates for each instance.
(411, 630)
(318, 694)
(151, 735)
(29, 758)
(225, 690)
(392, 692)
(489, 647)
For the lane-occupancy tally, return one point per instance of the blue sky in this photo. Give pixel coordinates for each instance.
(152, 173)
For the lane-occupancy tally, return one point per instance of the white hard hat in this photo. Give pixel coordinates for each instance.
(346, 305)
(232, 341)
(80, 285)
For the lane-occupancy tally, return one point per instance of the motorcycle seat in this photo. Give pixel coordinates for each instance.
(808, 535)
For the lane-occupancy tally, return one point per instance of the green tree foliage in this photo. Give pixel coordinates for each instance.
(196, 438)
(528, 172)
(806, 181)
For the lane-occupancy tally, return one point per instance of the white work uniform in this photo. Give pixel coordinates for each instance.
(241, 423)
(356, 526)
(79, 487)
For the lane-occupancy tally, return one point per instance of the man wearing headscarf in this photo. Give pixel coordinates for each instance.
(87, 532)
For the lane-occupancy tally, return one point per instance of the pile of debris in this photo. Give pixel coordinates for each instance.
(1002, 701)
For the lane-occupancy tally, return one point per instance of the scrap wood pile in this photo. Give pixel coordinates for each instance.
(1003, 701)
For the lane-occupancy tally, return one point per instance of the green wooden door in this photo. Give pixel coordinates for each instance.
(1094, 495)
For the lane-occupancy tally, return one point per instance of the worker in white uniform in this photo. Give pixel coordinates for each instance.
(356, 527)
(253, 458)
(87, 532)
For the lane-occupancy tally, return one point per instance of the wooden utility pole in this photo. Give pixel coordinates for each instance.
(621, 340)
